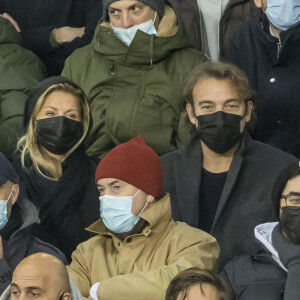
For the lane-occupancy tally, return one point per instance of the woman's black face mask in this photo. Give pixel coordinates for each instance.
(59, 134)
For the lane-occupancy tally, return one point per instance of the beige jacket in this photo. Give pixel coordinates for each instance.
(142, 266)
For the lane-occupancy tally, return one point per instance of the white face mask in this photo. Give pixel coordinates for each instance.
(116, 212)
(3, 211)
(283, 14)
(126, 35)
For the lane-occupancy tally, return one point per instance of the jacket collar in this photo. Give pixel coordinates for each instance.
(190, 177)
(263, 233)
(29, 216)
(144, 48)
(158, 216)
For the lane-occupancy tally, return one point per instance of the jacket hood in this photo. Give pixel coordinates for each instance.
(145, 48)
(39, 90)
(263, 234)
(8, 33)
(76, 295)
(158, 216)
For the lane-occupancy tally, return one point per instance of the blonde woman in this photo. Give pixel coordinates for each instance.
(56, 174)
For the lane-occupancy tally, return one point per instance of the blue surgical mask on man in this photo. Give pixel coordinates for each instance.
(116, 214)
(3, 211)
(126, 35)
(283, 14)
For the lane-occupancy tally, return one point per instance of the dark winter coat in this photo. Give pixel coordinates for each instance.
(246, 198)
(275, 75)
(272, 273)
(18, 242)
(188, 11)
(237, 12)
(65, 206)
(37, 18)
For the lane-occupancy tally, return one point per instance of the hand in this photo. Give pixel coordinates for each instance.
(93, 290)
(11, 20)
(67, 34)
(1, 248)
(288, 252)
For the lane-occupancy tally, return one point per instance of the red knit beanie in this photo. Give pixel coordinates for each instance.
(135, 163)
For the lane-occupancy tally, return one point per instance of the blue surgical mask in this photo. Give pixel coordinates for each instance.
(116, 213)
(126, 35)
(283, 14)
(3, 211)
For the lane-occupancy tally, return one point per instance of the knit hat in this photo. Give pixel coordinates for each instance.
(156, 5)
(135, 163)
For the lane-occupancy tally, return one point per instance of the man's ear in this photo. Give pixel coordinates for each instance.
(258, 3)
(150, 199)
(15, 194)
(67, 296)
(249, 109)
(191, 114)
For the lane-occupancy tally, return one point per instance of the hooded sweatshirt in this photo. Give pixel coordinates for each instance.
(136, 89)
(65, 206)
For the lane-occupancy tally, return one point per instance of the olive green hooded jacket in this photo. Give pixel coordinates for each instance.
(135, 90)
(20, 70)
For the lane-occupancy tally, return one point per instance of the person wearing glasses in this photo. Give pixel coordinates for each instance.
(274, 272)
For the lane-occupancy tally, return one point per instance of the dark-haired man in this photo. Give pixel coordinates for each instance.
(221, 181)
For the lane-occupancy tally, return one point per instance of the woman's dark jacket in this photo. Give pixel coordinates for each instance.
(246, 198)
(37, 18)
(65, 206)
(273, 69)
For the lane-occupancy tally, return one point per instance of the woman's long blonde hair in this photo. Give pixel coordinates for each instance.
(43, 163)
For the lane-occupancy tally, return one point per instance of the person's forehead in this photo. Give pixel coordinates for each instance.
(123, 4)
(195, 292)
(214, 90)
(28, 277)
(61, 100)
(293, 185)
(110, 181)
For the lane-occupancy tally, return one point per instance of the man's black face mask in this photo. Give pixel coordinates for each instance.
(290, 223)
(219, 131)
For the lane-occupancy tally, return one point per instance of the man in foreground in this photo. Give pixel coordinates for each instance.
(138, 248)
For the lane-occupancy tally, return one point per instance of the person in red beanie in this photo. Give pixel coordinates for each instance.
(138, 248)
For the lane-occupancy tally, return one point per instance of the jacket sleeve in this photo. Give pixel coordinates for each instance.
(11, 127)
(153, 284)
(5, 275)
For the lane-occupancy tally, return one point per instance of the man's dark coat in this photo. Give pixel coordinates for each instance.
(246, 198)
